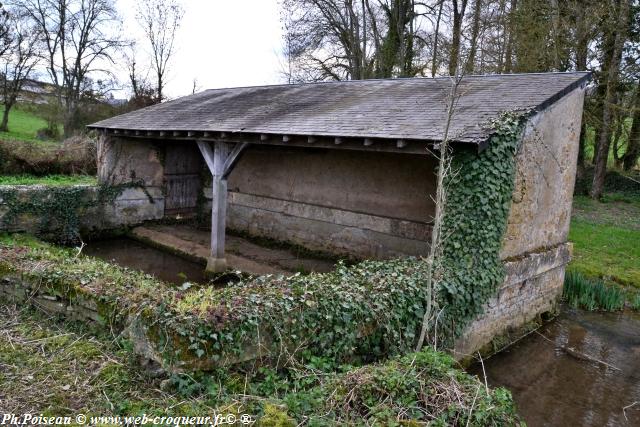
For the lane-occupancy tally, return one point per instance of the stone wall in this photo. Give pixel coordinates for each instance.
(535, 249)
(133, 206)
(546, 170)
(532, 287)
(358, 204)
(17, 290)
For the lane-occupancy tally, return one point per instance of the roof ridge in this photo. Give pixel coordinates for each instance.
(387, 79)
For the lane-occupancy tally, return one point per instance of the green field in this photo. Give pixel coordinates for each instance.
(606, 239)
(23, 125)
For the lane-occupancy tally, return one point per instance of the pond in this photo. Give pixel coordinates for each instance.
(163, 265)
(582, 369)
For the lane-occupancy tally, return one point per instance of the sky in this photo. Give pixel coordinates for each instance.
(221, 43)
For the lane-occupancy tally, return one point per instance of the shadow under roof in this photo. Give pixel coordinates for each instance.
(411, 108)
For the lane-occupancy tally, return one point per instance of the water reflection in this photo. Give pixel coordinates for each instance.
(557, 387)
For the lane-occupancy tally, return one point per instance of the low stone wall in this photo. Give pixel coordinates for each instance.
(15, 289)
(532, 287)
(132, 206)
(126, 301)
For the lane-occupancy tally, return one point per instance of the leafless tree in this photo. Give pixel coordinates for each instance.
(458, 8)
(353, 39)
(5, 31)
(143, 93)
(18, 61)
(445, 172)
(78, 36)
(160, 20)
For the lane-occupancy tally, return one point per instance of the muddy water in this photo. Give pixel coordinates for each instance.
(556, 387)
(164, 266)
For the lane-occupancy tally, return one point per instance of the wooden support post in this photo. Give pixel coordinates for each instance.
(220, 159)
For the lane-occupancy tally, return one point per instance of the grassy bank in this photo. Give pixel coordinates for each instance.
(58, 368)
(23, 125)
(606, 237)
(51, 180)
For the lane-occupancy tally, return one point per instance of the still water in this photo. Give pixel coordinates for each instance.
(555, 379)
(163, 265)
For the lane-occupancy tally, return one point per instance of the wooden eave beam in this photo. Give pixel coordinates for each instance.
(401, 145)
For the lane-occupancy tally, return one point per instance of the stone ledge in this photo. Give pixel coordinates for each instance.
(532, 287)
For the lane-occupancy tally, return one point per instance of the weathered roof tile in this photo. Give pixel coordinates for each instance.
(412, 108)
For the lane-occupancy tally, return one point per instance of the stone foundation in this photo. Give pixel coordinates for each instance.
(133, 206)
(532, 287)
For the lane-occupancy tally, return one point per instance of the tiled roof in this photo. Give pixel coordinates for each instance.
(413, 108)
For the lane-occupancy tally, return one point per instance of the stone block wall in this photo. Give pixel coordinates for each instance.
(355, 204)
(16, 290)
(532, 287)
(535, 251)
(133, 206)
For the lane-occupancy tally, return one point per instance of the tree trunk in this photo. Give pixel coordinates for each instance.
(474, 38)
(508, 63)
(630, 158)
(582, 50)
(4, 126)
(458, 16)
(582, 38)
(160, 87)
(602, 154)
(434, 60)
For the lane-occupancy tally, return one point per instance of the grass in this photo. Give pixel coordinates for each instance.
(53, 368)
(59, 368)
(606, 237)
(52, 180)
(23, 125)
(590, 294)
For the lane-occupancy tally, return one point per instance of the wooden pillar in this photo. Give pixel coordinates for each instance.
(220, 159)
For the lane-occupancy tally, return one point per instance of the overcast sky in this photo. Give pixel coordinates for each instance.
(221, 43)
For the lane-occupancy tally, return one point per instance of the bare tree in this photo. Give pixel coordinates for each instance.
(621, 8)
(5, 30)
(18, 62)
(475, 33)
(434, 268)
(160, 20)
(357, 39)
(78, 37)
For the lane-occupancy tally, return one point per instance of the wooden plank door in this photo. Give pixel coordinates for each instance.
(183, 165)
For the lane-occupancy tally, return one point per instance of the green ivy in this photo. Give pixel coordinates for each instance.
(478, 202)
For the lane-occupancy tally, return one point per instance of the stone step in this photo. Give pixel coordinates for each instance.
(163, 238)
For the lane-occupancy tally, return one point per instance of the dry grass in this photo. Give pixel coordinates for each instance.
(57, 368)
(75, 155)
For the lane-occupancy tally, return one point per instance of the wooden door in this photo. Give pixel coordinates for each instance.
(183, 165)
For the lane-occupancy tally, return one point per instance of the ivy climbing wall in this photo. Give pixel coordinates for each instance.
(533, 250)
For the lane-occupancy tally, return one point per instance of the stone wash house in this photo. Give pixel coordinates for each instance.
(346, 168)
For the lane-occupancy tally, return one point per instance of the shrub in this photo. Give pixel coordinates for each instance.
(614, 182)
(75, 155)
(416, 389)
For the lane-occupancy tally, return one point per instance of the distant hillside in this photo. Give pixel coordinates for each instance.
(23, 124)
